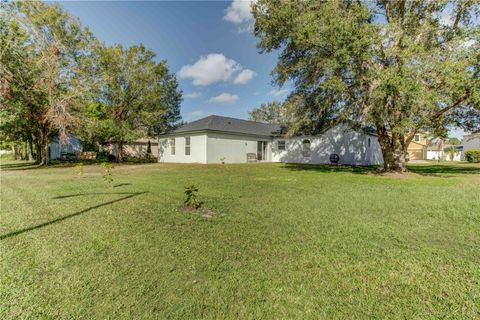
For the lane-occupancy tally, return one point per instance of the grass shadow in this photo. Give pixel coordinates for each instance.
(325, 168)
(89, 194)
(443, 169)
(68, 216)
(18, 166)
(122, 185)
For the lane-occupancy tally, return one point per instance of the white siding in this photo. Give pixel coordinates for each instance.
(233, 148)
(351, 146)
(198, 149)
(471, 141)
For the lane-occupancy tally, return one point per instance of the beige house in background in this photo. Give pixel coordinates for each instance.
(137, 149)
(417, 149)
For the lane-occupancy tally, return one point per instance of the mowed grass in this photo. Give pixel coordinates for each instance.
(286, 242)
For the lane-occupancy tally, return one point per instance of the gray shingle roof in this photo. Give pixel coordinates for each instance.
(225, 124)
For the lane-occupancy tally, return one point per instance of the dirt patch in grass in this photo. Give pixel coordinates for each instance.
(204, 212)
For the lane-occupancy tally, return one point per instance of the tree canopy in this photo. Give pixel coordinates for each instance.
(400, 66)
(57, 78)
(271, 112)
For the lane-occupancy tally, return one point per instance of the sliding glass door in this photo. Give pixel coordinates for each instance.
(261, 150)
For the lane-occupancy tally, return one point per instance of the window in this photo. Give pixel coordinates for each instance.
(417, 137)
(172, 146)
(369, 142)
(306, 148)
(187, 146)
(281, 144)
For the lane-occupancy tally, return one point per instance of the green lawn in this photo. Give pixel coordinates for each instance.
(286, 242)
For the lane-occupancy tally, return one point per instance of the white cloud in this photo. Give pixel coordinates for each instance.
(213, 68)
(192, 95)
(239, 13)
(244, 76)
(224, 98)
(209, 69)
(195, 115)
(278, 92)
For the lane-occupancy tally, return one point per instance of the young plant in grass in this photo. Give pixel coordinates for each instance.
(107, 174)
(79, 169)
(191, 199)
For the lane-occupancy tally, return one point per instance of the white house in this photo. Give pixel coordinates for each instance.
(217, 139)
(471, 141)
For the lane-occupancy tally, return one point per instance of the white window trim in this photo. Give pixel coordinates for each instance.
(172, 146)
(189, 146)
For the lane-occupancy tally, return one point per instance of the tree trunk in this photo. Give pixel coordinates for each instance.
(30, 150)
(119, 152)
(394, 151)
(44, 148)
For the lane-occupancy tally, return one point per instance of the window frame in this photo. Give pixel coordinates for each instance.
(281, 142)
(188, 146)
(417, 138)
(306, 152)
(172, 146)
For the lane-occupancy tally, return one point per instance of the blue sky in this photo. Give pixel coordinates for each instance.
(207, 44)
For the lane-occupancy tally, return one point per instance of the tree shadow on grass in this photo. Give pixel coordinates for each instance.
(68, 216)
(325, 168)
(444, 169)
(18, 166)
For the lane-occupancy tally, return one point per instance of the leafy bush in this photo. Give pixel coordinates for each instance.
(473, 155)
(191, 199)
(102, 156)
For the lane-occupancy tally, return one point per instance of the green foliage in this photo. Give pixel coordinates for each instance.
(135, 96)
(107, 174)
(473, 155)
(191, 199)
(394, 65)
(272, 112)
(79, 169)
(454, 141)
(7, 156)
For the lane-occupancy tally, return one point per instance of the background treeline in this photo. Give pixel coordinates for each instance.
(56, 78)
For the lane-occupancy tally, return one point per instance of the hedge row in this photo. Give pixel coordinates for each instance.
(472, 155)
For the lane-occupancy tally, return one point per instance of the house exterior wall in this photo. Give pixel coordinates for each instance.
(198, 149)
(73, 145)
(352, 148)
(471, 141)
(233, 148)
(445, 156)
(417, 149)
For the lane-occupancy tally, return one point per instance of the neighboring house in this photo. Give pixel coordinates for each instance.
(471, 141)
(217, 139)
(59, 149)
(136, 149)
(435, 153)
(417, 149)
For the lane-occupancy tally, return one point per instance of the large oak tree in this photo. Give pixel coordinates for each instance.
(400, 66)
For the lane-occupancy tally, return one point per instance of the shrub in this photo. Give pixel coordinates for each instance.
(191, 199)
(473, 155)
(101, 156)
